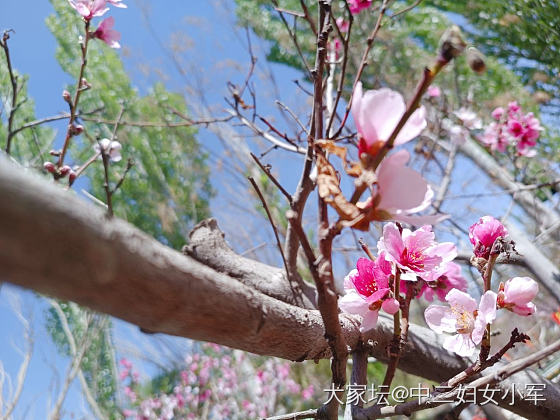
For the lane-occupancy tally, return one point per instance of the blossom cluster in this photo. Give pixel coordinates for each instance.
(426, 268)
(512, 128)
(221, 383)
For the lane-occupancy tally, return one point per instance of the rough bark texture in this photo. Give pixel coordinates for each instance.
(54, 243)
(207, 244)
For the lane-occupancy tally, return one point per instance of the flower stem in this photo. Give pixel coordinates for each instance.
(395, 345)
(79, 89)
(487, 277)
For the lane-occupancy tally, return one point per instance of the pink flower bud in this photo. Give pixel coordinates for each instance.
(49, 167)
(76, 130)
(66, 96)
(516, 295)
(72, 177)
(65, 170)
(391, 306)
(483, 233)
(85, 84)
(434, 91)
(498, 113)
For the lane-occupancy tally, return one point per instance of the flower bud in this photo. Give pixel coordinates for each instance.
(85, 84)
(66, 96)
(476, 60)
(452, 43)
(76, 130)
(65, 170)
(72, 177)
(49, 167)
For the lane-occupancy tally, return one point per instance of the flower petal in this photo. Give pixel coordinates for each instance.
(460, 344)
(369, 320)
(461, 299)
(520, 290)
(440, 319)
(353, 303)
(413, 127)
(487, 307)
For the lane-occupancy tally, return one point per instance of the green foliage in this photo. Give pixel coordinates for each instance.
(523, 33)
(168, 189)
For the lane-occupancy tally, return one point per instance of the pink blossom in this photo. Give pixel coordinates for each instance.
(462, 318)
(307, 393)
(516, 295)
(434, 91)
(377, 113)
(484, 233)
(498, 113)
(342, 24)
(513, 107)
(130, 393)
(494, 138)
(113, 148)
(117, 3)
(124, 374)
(442, 280)
(107, 34)
(517, 129)
(356, 6)
(125, 363)
(367, 290)
(89, 9)
(401, 191)
(415, 253)
(469, 118)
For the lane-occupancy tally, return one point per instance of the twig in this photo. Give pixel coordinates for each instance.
(363, 63)
(129, 165)
(266, 170)
(267, 136)
(24, 367)
(345, 43)
(13, 80)
(270, 219)
(308, 17)
(446, 179)
(365, 248)
(487, 277)
(479, 365)
(307, 414)
(439, 398)
(73, 350)
(79, 89)
(406, 9)
(293, 115)
(294, 38)
(359, 372)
